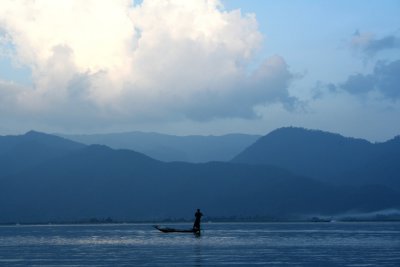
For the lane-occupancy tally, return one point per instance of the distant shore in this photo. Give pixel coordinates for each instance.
(96, 221)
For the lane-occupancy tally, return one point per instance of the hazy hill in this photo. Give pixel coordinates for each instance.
(96, 181)
(327, 157)
(30, 149)
(194, 148)
(384, 168)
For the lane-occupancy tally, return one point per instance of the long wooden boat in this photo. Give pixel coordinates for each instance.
(173, 230)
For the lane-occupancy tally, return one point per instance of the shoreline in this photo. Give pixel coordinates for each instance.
(155, 222)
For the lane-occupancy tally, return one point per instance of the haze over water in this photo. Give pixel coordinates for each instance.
(246, 109)
(262, 244)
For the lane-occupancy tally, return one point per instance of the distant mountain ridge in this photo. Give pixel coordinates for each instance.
(192, 148)
(327, 157)
(30, 149)
(76, 182)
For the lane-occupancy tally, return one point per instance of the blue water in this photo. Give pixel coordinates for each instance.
(236, 244)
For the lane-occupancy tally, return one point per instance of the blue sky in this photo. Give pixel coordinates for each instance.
(314, 35)
(190, 67)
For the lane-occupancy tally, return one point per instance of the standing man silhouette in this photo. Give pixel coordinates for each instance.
(196, 225)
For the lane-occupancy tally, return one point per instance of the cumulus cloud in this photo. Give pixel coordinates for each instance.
(369, 45)
(114, 60)
(384, 79)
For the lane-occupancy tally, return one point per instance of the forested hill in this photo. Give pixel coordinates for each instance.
(327, 157)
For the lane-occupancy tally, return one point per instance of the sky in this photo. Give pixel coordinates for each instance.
(200, 66)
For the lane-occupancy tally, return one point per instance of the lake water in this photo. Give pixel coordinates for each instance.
(235, 244)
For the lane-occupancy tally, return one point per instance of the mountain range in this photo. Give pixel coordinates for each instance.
(164, 147)
(327, 157)
(48, 178)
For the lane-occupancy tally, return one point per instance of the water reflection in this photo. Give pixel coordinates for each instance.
(198, 256)
(311, 244)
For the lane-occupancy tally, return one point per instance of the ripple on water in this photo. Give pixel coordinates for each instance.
(220, 244)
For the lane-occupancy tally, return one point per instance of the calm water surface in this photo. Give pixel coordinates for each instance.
(260, 244)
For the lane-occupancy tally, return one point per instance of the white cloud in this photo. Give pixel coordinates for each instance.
(112, 60)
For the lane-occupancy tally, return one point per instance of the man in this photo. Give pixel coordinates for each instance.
(196, 225)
